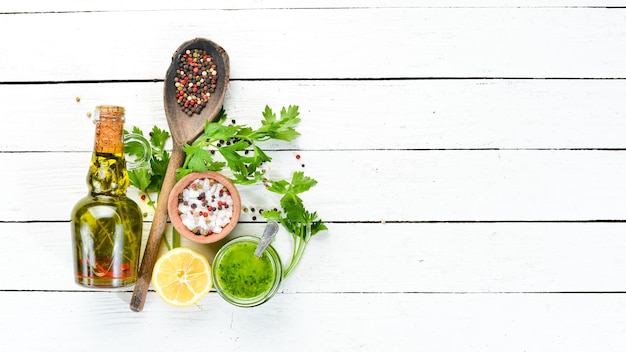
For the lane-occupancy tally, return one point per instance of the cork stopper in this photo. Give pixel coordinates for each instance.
(109, 120)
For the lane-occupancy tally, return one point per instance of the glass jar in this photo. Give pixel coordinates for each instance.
(138, 151)
(243, 279)
(106, 225)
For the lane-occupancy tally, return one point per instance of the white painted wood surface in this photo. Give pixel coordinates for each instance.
(470, 159)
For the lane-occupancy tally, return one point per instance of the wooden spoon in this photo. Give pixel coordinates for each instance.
(184, 129)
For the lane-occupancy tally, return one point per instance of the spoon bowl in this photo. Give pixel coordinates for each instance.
(184, 129)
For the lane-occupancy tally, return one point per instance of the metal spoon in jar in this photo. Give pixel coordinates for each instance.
(184, 129)
(268, 234)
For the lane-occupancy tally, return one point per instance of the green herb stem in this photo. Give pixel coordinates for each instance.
(151, 201)
(300, 245)
(301, 224)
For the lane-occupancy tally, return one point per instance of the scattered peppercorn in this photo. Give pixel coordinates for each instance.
(196, 79)
(78, 99)
(254, 218)
(298, 156)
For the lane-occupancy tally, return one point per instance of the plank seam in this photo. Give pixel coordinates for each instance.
(317, 79)
(385, 222)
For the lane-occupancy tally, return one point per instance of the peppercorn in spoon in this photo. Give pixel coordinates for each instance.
(200, 70)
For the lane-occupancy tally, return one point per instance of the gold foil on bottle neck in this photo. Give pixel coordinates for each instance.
(109, 120)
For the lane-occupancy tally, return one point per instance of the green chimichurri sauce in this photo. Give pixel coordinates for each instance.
(241, 274)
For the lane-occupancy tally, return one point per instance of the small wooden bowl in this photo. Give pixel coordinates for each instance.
(172, 206)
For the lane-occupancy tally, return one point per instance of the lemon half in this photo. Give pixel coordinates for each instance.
(182, 276)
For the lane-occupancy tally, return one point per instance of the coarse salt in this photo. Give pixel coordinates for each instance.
(205, 206)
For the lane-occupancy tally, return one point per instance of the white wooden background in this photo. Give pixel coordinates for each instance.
(470, 156)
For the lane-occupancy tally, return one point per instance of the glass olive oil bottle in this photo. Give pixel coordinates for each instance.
(106, 225)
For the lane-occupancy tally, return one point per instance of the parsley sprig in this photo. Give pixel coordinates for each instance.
(238, 145)
(149, 179)
(299, 222)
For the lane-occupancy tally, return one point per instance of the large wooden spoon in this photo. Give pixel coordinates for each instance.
(184, 129)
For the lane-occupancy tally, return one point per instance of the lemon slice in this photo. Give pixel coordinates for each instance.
(182, 276)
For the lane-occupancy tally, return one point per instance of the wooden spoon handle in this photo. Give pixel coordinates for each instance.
(156, 231)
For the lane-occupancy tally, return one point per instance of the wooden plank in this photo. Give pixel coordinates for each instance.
(414, 114)
(313, 322)
(120, 5)
(382, 258)
(410, 42)
(378, 185)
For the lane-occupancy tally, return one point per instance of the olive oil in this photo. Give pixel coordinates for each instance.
(107, 225)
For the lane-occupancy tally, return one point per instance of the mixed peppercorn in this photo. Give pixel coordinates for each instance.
(195, 80)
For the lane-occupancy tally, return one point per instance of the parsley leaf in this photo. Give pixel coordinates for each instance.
(140, 178)
(159, 167)
(134, 148)
(282, 128)
(158, 138)
(149, 179)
